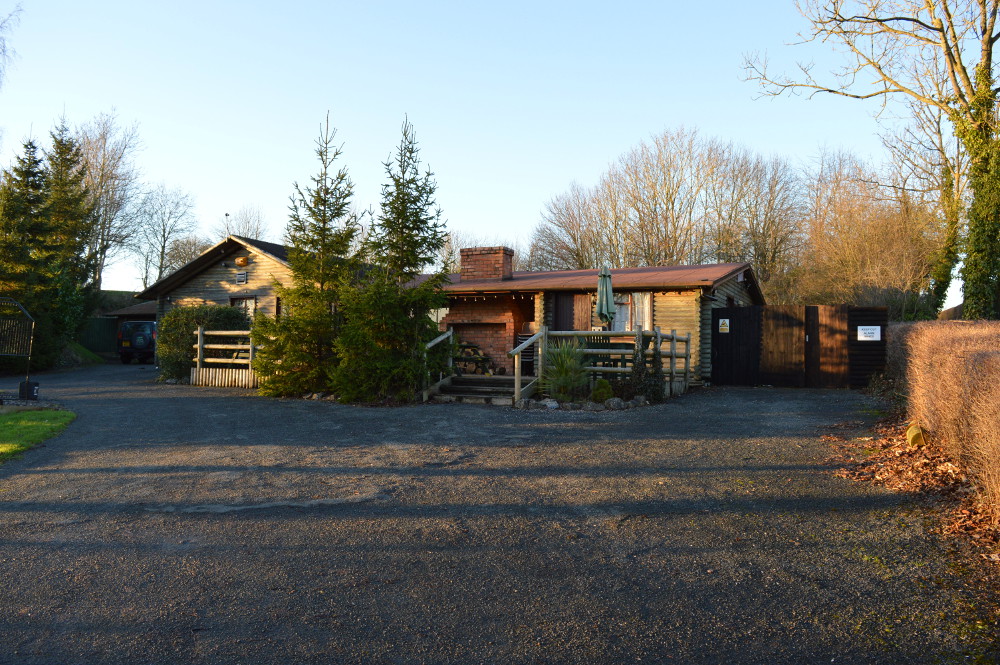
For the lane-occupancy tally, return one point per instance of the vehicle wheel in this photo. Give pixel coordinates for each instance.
(126, 359)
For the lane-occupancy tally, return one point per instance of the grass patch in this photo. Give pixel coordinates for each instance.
(21, 430)
(87, 357)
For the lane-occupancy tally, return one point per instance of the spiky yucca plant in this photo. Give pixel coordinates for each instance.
(565, 374)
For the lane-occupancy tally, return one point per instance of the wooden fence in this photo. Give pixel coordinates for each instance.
(814, 346)
(230, 361)
(609, 357)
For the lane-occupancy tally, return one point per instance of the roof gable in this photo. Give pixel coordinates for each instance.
(231, 244)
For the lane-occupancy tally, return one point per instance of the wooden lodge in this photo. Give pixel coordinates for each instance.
(237, 272)
(495, 308)
(490, 306)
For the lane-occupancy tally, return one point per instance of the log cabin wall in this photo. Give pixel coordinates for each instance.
(679, 310)
(219, 284)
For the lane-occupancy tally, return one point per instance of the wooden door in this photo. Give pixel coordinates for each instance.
(826, 346)
(583, 314)
(736, 346)
(571, 311)
(783, 339)
(562, 312)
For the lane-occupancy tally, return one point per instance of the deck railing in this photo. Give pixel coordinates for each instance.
(444, 376)
(610, 359)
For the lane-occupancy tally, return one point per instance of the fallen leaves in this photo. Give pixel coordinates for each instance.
(890, 460)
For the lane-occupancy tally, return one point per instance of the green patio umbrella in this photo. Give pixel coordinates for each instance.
(605, 297)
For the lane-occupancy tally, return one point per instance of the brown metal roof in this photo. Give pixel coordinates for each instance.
(141, 309)
(651, 277)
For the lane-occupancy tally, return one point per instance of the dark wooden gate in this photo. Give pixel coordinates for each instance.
(826, 346)
(816, 346)
(782, 351)
(866, 354)
(736, 346)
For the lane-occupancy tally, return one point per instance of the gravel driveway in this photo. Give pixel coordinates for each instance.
(172, 524)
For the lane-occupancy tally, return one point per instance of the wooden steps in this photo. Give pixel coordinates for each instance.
(478, 389)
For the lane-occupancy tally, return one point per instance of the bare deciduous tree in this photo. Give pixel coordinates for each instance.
(567, 237)
(940, 55)
(937, 165)
(185, 249)
(164, 218)
(113, 178)
(867, 243)
(7, 23)
(248, 222)
(674, 200)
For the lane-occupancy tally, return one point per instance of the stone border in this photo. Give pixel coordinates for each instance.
(612, 404)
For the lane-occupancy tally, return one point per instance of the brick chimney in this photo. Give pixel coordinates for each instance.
(487, 263)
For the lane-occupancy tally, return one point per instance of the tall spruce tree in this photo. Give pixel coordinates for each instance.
(43, 219)
(387, 315)
(69, 212)
(22, 197)
(409, 233)
(298, 352)
(23, 237)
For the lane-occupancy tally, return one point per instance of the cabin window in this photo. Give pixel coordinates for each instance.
(248, 305)
(632, 311)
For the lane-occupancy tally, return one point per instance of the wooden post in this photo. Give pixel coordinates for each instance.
(250, 369)
(673, 360)
(201, 347)
(687, 362)
(657, 341)
(543, 343)
(451, 341)
(638, 348)
(517, 376)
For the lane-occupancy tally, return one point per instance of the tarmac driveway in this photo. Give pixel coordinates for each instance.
(172, 524)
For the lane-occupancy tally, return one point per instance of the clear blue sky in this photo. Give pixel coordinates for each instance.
(511, 102)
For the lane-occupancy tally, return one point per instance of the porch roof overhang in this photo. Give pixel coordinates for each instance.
(650, 278)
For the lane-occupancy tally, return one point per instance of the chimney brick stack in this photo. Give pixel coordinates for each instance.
(487, 263)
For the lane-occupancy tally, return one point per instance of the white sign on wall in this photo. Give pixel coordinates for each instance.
(869, 333)
(723, 325)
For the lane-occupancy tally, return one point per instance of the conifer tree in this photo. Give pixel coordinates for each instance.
(298, 352)
(69, 214)
(656, 380)
(387, 315)
(22, 197)
(26, 248)
(409, 233)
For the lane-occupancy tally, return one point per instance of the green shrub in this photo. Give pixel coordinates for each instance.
(565, 374)
(656, 380)
(621, 386)
(382, 345)
(639, 376)
(175, 339)
(602, 391)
